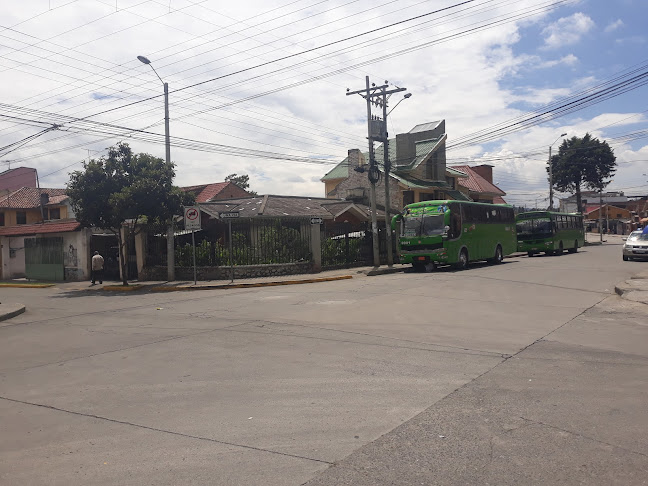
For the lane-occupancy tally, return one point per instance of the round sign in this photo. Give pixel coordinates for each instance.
(192, 214)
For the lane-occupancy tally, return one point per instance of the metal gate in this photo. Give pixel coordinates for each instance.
(44, 258)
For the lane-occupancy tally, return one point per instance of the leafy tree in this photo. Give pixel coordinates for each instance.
(243, 181)
(125, 191)
(582, 162)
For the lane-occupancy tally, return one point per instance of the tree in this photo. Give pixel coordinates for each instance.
(125, 191)
(582, 162)
(243, 181)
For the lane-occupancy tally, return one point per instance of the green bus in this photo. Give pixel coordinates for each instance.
(549, 232)
(454, 232)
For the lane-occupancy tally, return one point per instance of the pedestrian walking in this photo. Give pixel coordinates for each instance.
(97, 267)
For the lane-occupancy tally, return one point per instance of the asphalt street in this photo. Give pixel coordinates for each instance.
(530, 372)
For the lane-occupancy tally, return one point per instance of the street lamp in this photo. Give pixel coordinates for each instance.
(167, 143)
(551, 173)
(387, 164)
(405, 96)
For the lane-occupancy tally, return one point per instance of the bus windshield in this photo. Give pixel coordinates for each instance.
(534, 228)
(425, 225)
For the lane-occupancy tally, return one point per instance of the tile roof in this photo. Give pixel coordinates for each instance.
(477, 183)
(29, 197)
(61, 226)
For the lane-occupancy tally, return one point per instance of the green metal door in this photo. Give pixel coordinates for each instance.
(44, 258)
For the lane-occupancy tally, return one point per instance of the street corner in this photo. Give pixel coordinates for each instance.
(635, 289)
(10, 309)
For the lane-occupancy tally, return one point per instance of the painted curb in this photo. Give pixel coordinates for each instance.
(250, 285)
(8, 315)
(26, 286)
(122, 288)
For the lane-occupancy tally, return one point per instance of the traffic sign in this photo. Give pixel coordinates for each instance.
(192, 218)
(229, 215)
(317, 220)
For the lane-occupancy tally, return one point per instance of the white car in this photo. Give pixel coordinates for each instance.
(635, 246)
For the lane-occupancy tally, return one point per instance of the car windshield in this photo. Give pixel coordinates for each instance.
(638, 236)
(426, 225)
(535, 228)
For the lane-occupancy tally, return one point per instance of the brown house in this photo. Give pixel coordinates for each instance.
(479, 184)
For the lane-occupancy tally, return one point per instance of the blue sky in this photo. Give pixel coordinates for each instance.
(78, 59)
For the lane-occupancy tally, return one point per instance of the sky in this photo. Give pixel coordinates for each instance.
(259, 87)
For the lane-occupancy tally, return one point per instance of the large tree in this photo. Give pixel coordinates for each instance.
(243, 181)
(125, 191)
(582, 162)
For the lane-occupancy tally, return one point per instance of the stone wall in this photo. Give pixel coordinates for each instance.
(224, 273)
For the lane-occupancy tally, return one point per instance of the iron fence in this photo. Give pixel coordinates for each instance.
(255, 241)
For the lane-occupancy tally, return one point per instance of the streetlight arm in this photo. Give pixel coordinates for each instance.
(145, 60)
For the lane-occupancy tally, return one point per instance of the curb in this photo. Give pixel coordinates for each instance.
(249, 285)
(26, 285)
(18, 309)
(383, 271)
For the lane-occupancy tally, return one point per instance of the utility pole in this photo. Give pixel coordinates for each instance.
(601, 214)
(377, 130)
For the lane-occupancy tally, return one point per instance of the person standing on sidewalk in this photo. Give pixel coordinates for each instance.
(97, 267)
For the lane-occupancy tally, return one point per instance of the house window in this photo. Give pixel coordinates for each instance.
(408, 197)
(2, 223)
(54, 213)
(451, 182)
(21, 217)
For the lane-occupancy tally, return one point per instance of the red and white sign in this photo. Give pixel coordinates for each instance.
(192, 218)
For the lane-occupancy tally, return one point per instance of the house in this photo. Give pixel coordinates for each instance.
(479, 184)
(216, 191)
(589, 198)
(418, 170)
(615, 219)
(271, 235)
(29, 205)
(13, 179)
(39, 237)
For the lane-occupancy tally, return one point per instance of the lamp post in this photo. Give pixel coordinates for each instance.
(167, 143)
(551, 173)
(387, 163)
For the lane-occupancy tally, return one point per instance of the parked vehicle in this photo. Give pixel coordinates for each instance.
(454, 232)
(549, 232)
(635, 246)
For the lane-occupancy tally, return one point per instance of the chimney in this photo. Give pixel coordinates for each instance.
(484, 170)
(355, 159)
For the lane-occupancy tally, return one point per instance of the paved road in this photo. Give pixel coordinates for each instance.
(531, 371)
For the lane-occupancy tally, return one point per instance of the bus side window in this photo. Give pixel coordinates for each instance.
(455, 221)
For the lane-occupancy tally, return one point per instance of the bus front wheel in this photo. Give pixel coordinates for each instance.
(575, 249)
(462, 263)
(560, 249)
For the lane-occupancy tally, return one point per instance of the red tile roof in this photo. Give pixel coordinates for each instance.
(476, 183)
(62, 226)
(29, 197)
(499, 200)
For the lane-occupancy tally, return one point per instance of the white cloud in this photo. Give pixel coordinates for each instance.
(612, 26)
(567, 30)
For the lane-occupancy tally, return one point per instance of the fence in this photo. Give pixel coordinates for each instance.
(281, 245)
(346, 245)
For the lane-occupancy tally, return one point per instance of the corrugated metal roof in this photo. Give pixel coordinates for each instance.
(424, 127)
(282, 206)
